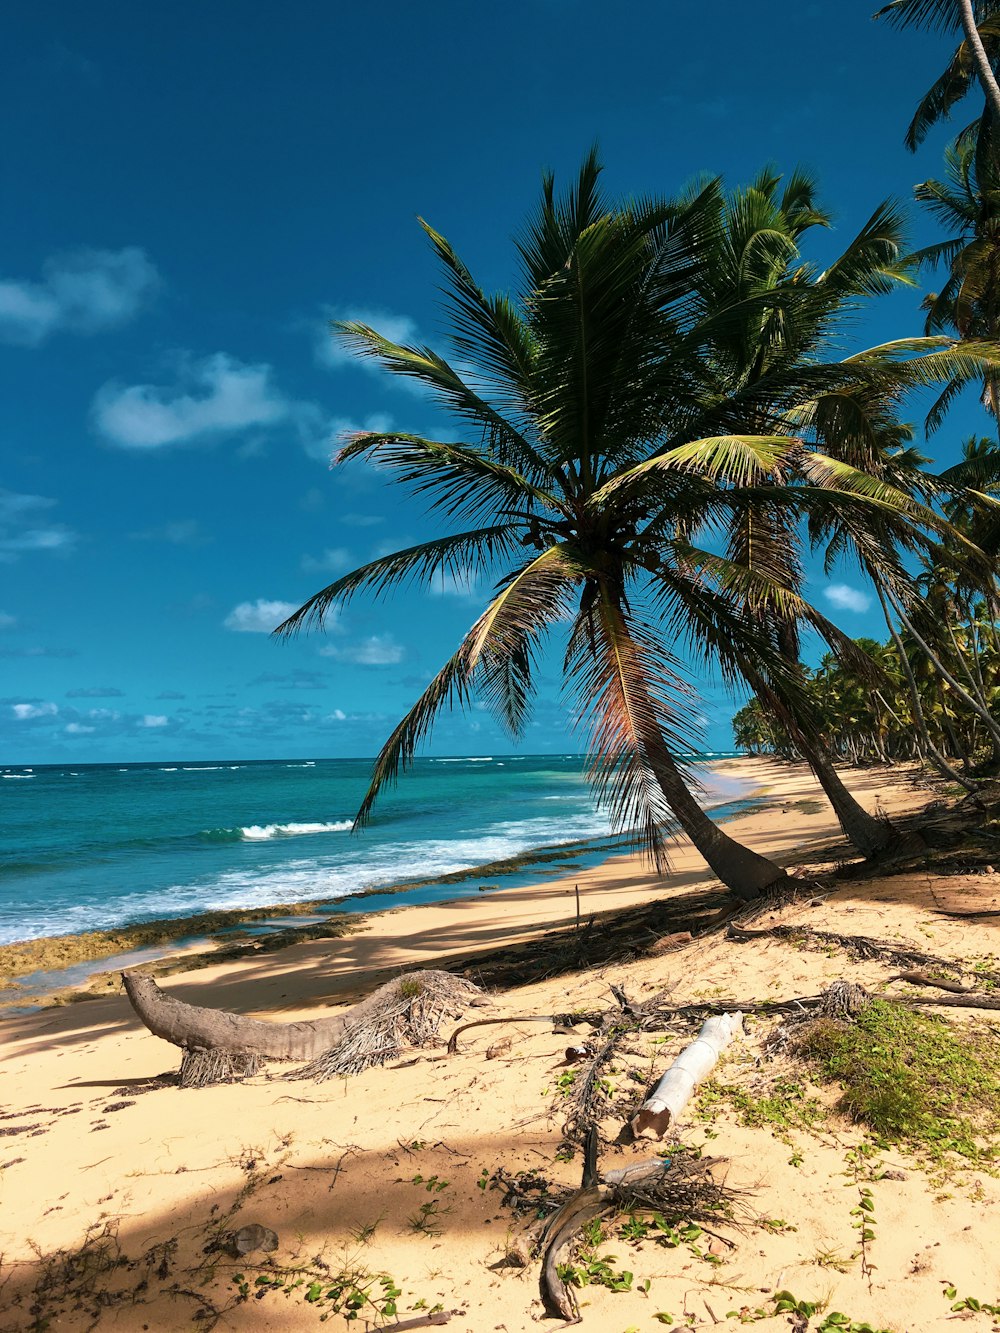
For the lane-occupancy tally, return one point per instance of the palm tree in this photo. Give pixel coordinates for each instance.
(772, 359)
(967, 203)
(572, 382)
(970, 17)
(589, 478)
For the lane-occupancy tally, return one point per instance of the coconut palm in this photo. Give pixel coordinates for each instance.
(967, 203)
(974, 19)
(588, 478)
(773, 360)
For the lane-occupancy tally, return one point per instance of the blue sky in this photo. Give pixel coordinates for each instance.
(191, 190)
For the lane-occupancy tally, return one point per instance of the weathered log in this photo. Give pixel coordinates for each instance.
(195, 1028)
(673, 1092)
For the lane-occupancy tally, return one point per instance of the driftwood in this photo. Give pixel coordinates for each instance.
(674, 1090)
(192, 1027)
(860, 946)
(677, 1187)
(223, 1046)
(917, 978)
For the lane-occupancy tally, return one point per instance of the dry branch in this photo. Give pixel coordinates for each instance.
(675, 1088)
(859, 946)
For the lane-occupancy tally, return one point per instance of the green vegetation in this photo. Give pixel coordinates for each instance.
(912, 1079)
(786, 1106)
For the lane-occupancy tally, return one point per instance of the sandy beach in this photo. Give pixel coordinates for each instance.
(115, 1190)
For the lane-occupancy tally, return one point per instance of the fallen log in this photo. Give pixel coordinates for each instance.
(220, 1045)
(674, 1090)
(192, 1027)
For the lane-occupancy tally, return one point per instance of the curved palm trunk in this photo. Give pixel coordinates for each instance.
(930, 749)
(746, 873)
(867, 833)
(939, 666)
(982, 61)
(193, 1027)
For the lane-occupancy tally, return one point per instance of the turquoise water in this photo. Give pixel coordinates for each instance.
(89, 847)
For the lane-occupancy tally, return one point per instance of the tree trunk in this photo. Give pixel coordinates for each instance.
(939, 666)
(867, 832)
(982, 61)
(747, 874)
(930, 749)
(194, 1028)
(662, 1108)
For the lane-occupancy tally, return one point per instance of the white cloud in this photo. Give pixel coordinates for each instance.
(23, 527)
(332, 350)
(338, 715)
(456, 583)
(154, 720)
(259, 617)
(28, 712)
(81, 291)
(322, 436)
(362, 520)
(7, 621)
(333, 560)
(78, 729)
(213, 397)
(376, 650)
(845, 598)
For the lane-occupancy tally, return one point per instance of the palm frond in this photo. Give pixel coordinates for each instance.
(456, 478)
(529, 602)
(456, 554)
(628, 687)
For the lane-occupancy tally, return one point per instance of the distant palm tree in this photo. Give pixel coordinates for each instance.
(602, 445)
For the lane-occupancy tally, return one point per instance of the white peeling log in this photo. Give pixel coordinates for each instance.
(695, 1062)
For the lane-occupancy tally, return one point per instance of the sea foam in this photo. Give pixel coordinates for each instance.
(262, 832)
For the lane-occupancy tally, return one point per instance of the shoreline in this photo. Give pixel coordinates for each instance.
(59, 969)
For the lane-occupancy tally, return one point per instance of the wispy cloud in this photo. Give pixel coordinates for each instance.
(30, 712)
(96, 692)
(376, 650)
(23, 527)
(462, 583)
(259, 617)
(332, 350)
(846, 598)
(81, 291)
(333, 560)
(37, 652)
(179, 532)
(7, 621)
(214, 398)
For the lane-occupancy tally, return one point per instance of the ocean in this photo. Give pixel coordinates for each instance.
(88, 847)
